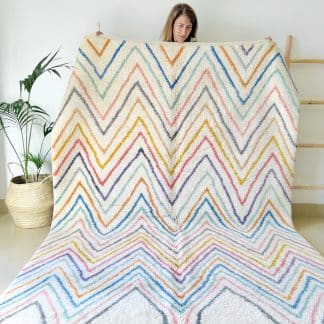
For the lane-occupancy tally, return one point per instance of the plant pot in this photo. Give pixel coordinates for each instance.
(30, 204)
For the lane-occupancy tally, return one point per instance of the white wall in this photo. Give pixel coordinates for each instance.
(30, 29)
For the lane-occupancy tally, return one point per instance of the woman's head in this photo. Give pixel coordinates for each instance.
(181, 25)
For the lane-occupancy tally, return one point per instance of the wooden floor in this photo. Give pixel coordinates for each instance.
(17, 245)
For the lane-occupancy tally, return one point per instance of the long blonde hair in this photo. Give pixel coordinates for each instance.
(178, 10)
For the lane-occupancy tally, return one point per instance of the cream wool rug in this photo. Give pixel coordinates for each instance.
(173, 168)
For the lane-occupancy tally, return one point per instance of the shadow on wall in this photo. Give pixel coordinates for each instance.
(3, 175)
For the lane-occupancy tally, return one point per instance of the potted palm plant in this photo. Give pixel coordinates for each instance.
(30, 195)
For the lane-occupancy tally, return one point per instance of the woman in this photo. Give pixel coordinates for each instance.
(181, 25)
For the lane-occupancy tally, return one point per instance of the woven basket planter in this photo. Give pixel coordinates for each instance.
(30, 204)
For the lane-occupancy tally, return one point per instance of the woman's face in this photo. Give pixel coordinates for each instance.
(181, 29)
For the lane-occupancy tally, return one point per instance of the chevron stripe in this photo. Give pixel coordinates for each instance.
(102, 50)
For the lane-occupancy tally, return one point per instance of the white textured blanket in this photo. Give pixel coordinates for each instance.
(173, 168)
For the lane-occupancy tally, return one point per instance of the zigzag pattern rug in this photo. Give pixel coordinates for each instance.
(173, 168)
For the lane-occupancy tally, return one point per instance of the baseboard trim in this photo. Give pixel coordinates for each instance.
(305, 210)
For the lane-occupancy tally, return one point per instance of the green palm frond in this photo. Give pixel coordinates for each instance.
(37, 159)
(42, 67)
(47, 129)
(20, 113)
